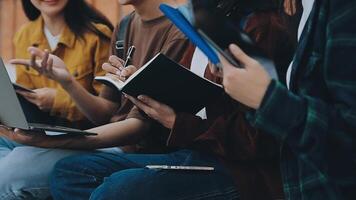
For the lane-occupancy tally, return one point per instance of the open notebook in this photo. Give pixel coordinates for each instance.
(170, 83)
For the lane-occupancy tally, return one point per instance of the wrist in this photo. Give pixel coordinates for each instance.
(265, 94)
(68, 84)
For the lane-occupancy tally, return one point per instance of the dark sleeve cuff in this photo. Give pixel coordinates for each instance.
(280, 111)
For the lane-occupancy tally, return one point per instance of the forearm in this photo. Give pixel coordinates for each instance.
(95, 108)
(111, 135)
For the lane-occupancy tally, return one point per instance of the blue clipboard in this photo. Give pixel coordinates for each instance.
(184, 25)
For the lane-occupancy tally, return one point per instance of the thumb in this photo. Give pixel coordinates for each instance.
(240, 55)
(36, 52)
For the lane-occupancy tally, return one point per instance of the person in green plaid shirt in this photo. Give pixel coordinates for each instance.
(315, 118)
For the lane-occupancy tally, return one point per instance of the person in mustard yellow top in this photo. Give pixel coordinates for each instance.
(78, 35)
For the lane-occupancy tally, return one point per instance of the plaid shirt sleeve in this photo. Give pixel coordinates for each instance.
(284, 112)
(323, 108)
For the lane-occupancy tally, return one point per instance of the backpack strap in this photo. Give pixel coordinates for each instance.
(120, 36)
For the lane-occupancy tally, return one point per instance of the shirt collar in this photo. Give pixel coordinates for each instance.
(67, 37)
(307, 8)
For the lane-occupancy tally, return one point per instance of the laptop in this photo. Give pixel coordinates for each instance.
(12, 114)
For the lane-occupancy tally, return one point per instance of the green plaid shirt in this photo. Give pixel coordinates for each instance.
(316, 118)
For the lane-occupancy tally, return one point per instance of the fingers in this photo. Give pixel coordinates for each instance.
(27, 95)
(243, 58)
(128, 71)
(34, 64)
(44, 59)
(111, 69)
(149, 101)
(31, 97)
(116, 62)
(25, 62)
(36, 52)
(215, 70)
(141, 105)
(33, 60)
(5, 131)
(47, 65)
(50, 66)
(137, 102)
(44, 55)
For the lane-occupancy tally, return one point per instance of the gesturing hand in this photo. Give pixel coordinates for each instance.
(247, 85)
(48, 65)
(43, 98)
(156, 110)
(115, 68)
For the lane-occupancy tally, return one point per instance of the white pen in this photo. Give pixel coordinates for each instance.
(130, 53)
(168, 167)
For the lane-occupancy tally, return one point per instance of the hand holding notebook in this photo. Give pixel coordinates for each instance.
(170, 83)
(213, 33)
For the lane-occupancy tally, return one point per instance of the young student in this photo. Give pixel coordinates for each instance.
(82, 40)
(314, 116)
(245, 160)
(76, 33)
(32, 182)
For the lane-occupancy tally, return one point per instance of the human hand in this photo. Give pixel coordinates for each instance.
(215, 70)
(43, 98)
(115, 67)
(22, 137)
(48, 65)
(155, 110)
(247, 85)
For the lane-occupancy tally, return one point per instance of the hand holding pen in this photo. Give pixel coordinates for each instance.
(119, 68)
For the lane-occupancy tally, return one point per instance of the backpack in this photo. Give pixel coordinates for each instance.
(120, 36)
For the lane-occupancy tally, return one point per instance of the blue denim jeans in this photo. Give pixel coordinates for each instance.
(25, 170)
(107, 176)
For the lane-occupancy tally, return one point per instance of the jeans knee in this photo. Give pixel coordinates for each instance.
(61, 174)
(10, 181)
(14, 188)
(124, 185)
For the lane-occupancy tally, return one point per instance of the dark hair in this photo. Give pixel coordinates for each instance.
(78, 15)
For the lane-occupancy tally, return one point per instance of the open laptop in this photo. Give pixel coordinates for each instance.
(13, 116)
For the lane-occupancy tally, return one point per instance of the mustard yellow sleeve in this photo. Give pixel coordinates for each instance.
(23, 78)
(63, 104)
(101, 55)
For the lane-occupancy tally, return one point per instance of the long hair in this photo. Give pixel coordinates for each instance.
(79, 17)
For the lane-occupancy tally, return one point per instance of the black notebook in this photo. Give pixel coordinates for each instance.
(170, 83)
